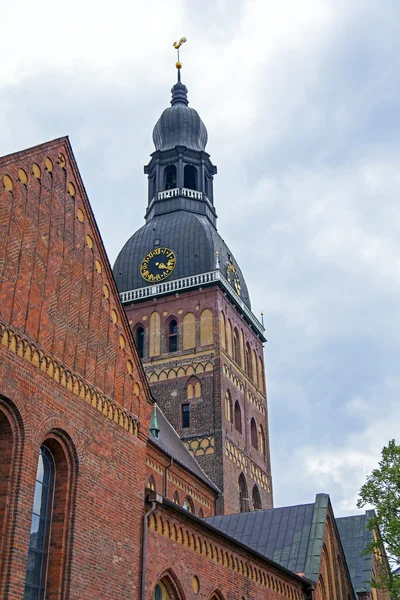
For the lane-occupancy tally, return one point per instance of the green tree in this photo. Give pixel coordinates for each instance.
(382, 491)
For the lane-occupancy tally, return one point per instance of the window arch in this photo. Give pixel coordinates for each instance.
(222, 330)
(206, 328)
(236, 347)
(256, 498)
(172, 335)
(54, 489)
(190, 177)
(139, 340)
(261, 440)
(188, 504)
(189, 331)
(175, 497)
(193, 388)
(170, 177)
(229, 337)
(228, 406)
(243, 494)
(254, 367)
(168, 588)
(155, 334)
(151, 484)
(238, 417)
(248, 365)
(253, 434)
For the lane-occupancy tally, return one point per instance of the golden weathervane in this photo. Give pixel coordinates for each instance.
(177, 45)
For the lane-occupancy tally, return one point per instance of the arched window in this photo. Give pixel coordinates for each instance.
(170, 177)
(243, 494)
(151, 484)
(201, 513)
(193, 389)
(228, 406)
(154, 334)
(261, 383)
(229, 337)
(256, 498)
(238, 417)
(261, 440)
(49, 547)
(153, 186)
(249, 369)
(175, 498)
(9, 445)
(253, 434)
(139, 340)
(236, 347)
(188, 504)
(172, 336)
(39, 541)
(206, 328)
(222, 330)
(160, 593)
(254, 367)
(189, 331)
(190, 177)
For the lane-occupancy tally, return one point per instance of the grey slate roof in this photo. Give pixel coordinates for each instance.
(355, 537)
(191, 236)
(170, 443)
(180, 125)
(281, 534)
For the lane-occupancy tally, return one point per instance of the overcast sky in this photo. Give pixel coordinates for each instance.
(301, 99)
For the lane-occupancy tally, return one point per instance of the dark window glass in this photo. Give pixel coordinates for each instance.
(170, 177)
(190, 177)
(253, 434)
(185, 415)
(172, 336)
(140, 341)
(206, 185)
(158, 595)
(238, 417)
(153, 186)
(243, 494)
(256, 498)
(35, 583)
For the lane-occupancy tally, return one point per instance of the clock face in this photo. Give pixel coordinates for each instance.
(233, 277)
(158, 264)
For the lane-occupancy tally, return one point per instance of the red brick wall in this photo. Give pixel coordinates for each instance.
(220, 567)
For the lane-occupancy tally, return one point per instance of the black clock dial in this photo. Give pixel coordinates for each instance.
(233, 277)
(158, 264)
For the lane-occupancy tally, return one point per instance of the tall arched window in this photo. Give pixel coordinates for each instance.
(253, 434)
(261, 440)
(229, 337)
(172, 336)
(175, 498)
(189, 331)
(249, 369)
(160, 593)
(222, 330)
(139, 340)
(238, 417)
(206, 328)
(190, 177)
(256, 498)
(236, 347)
(49, 547)
(254, 367)
(39, 541)
(170, 177)
(243, 494)
(188, 504)
(193, 388)
(228, 406)
(154, 334)
(261, 383)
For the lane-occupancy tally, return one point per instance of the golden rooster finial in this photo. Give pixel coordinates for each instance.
(177, 45)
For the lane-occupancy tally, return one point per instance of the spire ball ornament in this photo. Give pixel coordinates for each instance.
(177, 45)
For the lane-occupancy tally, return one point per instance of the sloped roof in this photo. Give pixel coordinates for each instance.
(355, 537)
(170, 443)
(291, 536)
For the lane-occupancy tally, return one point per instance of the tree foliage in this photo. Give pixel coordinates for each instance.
(382, 491)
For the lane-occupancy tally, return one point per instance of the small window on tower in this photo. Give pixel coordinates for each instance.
(185, 415)
(140, 341)
(172, 336)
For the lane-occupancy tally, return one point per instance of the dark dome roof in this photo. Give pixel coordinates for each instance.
(191, 236)
(180, 125)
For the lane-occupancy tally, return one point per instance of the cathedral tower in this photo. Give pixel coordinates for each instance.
(189, 308)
